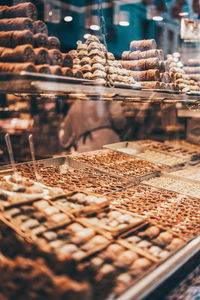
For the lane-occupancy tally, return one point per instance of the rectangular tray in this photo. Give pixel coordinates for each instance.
(134, 149)
(181, 180)
(133, 178)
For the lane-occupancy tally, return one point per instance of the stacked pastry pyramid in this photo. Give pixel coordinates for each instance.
(95, 63)
(25, 45)
(147, 64)
(183, 81)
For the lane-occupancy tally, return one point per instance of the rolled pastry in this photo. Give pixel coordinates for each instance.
(152, 63)
(56, 70)
(67, 72)
(17, 67)
(125, 55)
(16, 24)
(20, 10)
(11, 39)
(143, 45)
(40, 27)
(134, 65)
(23, 53)
(67, 60)
(77, 74)
(40, 40)
(139, 75)
(44, 69)
(153, 75)
(54, 42)
(55, 57)
(151, 84)
(192, 70)
(42, 56)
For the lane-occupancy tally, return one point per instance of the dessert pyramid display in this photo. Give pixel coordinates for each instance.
(26, 46)
(93, 60)
(147, 65)
(182, 80)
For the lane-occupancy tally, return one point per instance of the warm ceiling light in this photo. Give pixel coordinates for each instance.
(68, 18)
(157, 18)
(86, 36)
(124, 18)
(50, 13)
(124, 23)
(94, 27)
(183, 14)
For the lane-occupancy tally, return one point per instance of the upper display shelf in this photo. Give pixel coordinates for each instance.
(42, 86)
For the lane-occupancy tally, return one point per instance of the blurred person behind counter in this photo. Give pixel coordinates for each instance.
(90, 125)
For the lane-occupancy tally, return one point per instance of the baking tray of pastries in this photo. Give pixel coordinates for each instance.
(120, 164)
(35, 217)
(175, 211)
(114, 269)
(152, 155)
(154, 239)
(16, 189)
(79, 203)
(186, 186)
(112, 222)
(72, 175)
(178, 149)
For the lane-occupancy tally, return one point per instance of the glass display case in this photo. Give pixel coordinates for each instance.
(105, 203)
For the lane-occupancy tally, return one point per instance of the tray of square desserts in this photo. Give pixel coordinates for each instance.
(152, 155)
(72, 175)
(119, 164)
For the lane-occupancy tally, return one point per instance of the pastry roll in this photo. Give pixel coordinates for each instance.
(134, 55)
(143, 45)
(191, 70)
(67, 60)
(139, 75)
(77, 74)
(153, 75)
(56, 70)
(162, 66)
(55, 57)
(40, 40)
(125, 55)
(148, 54)
(195, 77)
(135, 65)
(42, 56)
(11, 39)
(18, 38)
(152, 63)
(54, 42)
(16, 24)
(20, 10)
(44, 69)
(17, 67)
(151, 84)
(193, 62)
(40, 27)
(67, 72)
(23, 53)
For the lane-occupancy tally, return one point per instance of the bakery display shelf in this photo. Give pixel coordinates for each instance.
(161, 273)
(43, 85)
(133, 149)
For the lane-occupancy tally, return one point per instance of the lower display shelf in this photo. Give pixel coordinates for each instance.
(107, 228)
